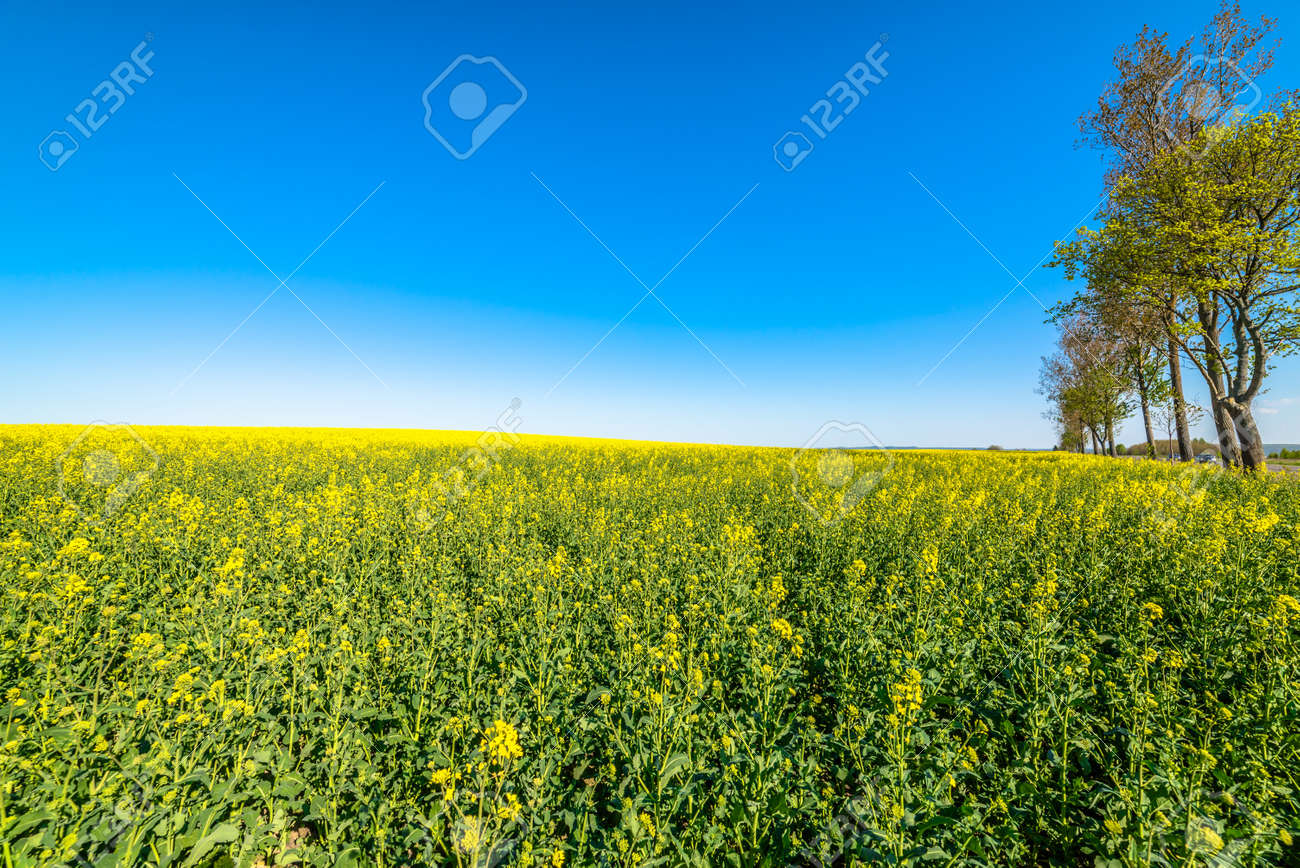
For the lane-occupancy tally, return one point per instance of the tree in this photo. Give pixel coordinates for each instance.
(1068, 425)
(1167, 415)
(1090, 396)
(1135, 338)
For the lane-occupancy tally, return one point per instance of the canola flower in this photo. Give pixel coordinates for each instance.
(502, 743)
(293, 645)
(906, 695)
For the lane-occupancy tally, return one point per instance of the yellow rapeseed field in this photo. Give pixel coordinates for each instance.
(257, 647)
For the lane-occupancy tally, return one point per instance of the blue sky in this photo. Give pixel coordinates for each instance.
(827, 293)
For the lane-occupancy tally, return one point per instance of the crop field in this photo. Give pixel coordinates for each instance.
(257, 647)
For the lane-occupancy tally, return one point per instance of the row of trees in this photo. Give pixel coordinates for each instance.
(1195, 264)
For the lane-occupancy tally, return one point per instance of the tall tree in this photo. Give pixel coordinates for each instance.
(1138, 334)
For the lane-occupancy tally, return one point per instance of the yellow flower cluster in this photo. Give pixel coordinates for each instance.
(905, 694)
(501, 743)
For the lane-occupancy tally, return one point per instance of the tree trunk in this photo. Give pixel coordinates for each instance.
(1225, 427)
(1252, 446)
(1229, 451)
(1146, 411)
(1180, 404)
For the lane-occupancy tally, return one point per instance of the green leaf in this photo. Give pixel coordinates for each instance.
(223, 834)
(671, 767)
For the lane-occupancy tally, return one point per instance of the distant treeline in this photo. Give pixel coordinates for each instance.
(1170, 447)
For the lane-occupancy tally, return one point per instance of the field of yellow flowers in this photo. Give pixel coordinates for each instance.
(257, 647)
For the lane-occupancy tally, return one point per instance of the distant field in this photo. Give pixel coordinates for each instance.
(249, 646)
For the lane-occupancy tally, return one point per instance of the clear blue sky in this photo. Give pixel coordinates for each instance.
(829, 292)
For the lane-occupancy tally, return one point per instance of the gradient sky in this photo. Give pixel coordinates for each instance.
(829, 293)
